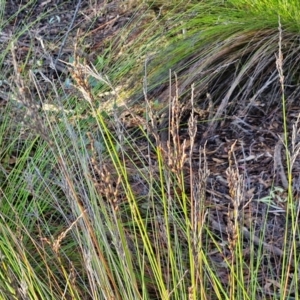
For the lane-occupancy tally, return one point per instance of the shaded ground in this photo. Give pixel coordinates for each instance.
(46, 33)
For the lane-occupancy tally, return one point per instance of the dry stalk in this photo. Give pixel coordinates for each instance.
(176, 151)
(107, 183)
(279, 66)
(236, 186)
(79, 76)
(295, 143)
(197, 182)
(56, 244)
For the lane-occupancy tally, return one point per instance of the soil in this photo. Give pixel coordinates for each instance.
(53, 34)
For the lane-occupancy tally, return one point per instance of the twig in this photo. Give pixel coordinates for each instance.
(66, 35)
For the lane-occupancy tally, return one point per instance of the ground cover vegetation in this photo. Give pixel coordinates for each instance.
(149, 150)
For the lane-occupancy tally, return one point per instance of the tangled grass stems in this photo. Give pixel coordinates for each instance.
(93, 209)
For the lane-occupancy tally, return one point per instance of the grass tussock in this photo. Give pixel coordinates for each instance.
(164, 169)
